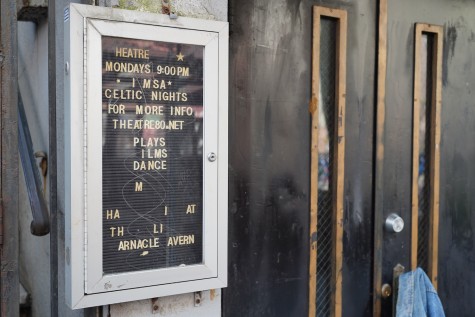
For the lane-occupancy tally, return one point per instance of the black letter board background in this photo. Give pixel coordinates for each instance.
(152, 154)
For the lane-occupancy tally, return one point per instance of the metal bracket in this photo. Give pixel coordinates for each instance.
(197, 299)
(397, 271)
(44, 167)
(166, 6)
(155, 306)
(166, 9)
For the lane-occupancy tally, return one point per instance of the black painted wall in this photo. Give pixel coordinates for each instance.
(269, 161)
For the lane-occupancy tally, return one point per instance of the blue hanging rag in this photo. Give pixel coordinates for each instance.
(417, 296)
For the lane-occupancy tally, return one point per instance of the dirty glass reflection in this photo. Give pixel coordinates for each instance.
(326, 128)
(426, 58)
(152, 162)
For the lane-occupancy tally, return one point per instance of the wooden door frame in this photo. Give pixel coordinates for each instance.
(381, 73)
(338, 157)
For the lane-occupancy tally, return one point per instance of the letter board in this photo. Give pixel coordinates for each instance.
(145, 155)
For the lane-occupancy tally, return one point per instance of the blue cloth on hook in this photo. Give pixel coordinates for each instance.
(417, 296)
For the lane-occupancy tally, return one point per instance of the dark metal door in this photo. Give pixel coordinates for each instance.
(271, 243)
(337, 122)
(426, 139)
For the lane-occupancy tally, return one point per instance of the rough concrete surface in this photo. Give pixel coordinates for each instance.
(202, 9)
(170, 306)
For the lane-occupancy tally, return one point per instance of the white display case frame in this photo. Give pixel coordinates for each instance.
(86, 284)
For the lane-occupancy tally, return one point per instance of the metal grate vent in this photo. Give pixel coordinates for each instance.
(425, 151)
(326, 114)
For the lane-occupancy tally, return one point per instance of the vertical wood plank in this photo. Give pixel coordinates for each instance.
(415, 146)
(314, 164)
(435, 105)
(435, 157)
(339, 166)
(339, 158)
(9, 281)
(379, 164)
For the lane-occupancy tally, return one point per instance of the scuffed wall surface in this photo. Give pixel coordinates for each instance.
(204, 9)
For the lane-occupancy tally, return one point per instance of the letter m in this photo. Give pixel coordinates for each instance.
(138, 186)
(109, 66)
(146, 83)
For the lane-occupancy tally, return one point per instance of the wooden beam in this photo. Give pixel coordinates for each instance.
(415, 146)
(339, 162)
(435, 156)
(312, 291)
(435, 105)
(339, 158)
(379, 164)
